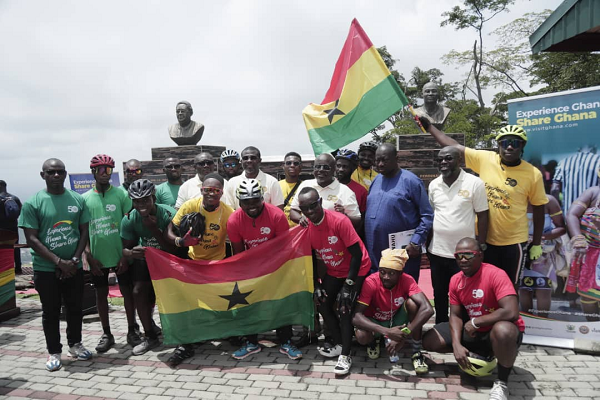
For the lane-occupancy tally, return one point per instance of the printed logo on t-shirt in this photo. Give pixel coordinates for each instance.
(111, 207)
(72, 209)
(332, 197)
(332, 239)
(398, 301)
(477, 293)
(265, 230)
(214, 227)
(60, 235)
(511, 182)
(497, 197)
(464, 193)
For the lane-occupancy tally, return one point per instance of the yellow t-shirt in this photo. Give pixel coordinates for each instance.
(364, 176)
(286, 188)
(212, 245)
(509, 190)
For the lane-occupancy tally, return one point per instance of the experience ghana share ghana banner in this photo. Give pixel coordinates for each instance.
(262, 288)
(362, 95)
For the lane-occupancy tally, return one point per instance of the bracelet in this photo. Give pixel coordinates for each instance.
(473, 323)
(178, 241)
(57, 261)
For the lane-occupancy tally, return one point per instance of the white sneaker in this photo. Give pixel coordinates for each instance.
(330, 352)
(79, 352)
(53, 363)
(499, 391)
(343, 365)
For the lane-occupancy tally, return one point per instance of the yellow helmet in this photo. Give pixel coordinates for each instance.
(514, 130)
(480, 366)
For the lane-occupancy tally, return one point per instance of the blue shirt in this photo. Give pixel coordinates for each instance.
(394, 205)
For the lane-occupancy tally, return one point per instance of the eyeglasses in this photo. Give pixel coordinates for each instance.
(102, 170)
(514, 143)
(294, 163)
(445, 158)
(230, 164)
(52, 172)
(211, 191)
(137, 171)
(248, 158)
(173, 166)
(465, 255)
(311, 206)
(323, 167)
(205, 163)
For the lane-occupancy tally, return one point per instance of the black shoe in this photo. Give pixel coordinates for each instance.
(181, 353)
(306, 339)
(156, 328)
(133, 338)
(105, 343)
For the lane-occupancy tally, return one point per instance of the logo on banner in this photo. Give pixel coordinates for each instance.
(584, 329)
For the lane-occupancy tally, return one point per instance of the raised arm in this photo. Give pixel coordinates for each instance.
(442, 139)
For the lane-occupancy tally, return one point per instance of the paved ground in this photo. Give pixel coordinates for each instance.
(540, 372)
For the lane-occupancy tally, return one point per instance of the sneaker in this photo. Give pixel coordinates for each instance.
(79, 352)
(290, 350)
(145, 346)
(373, 349)
(343, 365)
(330, 352)
(499, 391)
(134, 338)
(246, 350)
(105, 343)
(53, 363)
(419, 364)
(181, 353)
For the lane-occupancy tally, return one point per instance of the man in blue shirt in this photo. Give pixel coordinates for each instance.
(397, 202)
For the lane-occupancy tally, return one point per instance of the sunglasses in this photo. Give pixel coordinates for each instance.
(465, 255)
(230, 164)
(323, 167)
(514, 143)
(102, 170)
(173, 166)
(445, 158)
(294, 163)
(311, 206)
(249, 158)
(137, 171)
(52, 172)
(205, 163)
(211, 191)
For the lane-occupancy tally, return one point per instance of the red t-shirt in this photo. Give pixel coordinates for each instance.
(382, 304)
(479, 294)
(270, 223)
(331, 239)
(361, 195)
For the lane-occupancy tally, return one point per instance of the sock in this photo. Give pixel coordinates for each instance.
(107, 330)
(503, 373)
(415, 345)
(133, 328)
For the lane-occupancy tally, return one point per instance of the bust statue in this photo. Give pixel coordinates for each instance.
(435, 112)
(186, 132)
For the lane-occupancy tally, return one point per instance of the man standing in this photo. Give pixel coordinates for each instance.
(457, 198)
(511, 184)
(346, 162)
(292, 166)
(10, 209)
(336, 197)
(167, 192)
(397, 202)
(365, 174)
(133, 171)
(230, 159)
(107, 206)
(55, 221)
(254, 223)
(192, 188)
(409, 310)
(251, 160)
(336, 242)
(484, 317)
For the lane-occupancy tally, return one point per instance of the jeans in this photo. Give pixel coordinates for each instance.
(442, 269)
(53, 291)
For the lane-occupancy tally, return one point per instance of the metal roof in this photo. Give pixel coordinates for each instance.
(574, 26)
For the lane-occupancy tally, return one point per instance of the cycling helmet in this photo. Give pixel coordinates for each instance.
(140, 189)
(102, 159)
(367, 146)
(514, 130)
(347, 154)
(195, 221)
(230, 154)
(249, 189)
(480, 366)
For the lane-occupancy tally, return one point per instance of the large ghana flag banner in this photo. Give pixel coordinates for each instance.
(262, 288)
(361, 96)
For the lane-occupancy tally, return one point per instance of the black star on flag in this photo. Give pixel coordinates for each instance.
(236, 297)
(333, 112)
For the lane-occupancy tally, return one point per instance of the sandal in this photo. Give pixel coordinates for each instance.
(181, 353)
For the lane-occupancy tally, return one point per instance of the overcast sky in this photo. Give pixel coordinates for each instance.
(80, 78)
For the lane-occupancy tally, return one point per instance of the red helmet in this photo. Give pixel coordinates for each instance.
(102, 159)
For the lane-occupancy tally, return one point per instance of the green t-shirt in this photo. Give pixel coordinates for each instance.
(166, 193)
(132, 227)
(106, 212)
(57, 219)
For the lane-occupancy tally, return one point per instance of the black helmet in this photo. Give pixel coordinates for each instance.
(140, 189)
(195, 221)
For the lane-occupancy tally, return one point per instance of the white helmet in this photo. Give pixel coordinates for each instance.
(249, 189)
(230, 154)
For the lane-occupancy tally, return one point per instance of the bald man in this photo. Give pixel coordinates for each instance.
(204, 164)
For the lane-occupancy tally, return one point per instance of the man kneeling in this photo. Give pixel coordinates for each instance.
(392, 305)
(487, 296)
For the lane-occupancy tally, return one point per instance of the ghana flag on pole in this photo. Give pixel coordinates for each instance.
(262, 288)
(361, 96)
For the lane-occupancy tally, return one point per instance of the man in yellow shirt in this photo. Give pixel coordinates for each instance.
(364, 173)
(292, 166)
(210, 245)
(511, 183)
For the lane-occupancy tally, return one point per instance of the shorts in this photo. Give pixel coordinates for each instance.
(511, 259)
(139, 271)
(102, 281)
(400, 318)
(480, 344)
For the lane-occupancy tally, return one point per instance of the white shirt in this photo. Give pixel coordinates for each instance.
(191, 189)
(454, 211)
(271, 190)
(333, 193)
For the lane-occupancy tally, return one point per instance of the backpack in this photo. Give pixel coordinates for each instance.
(9, 208)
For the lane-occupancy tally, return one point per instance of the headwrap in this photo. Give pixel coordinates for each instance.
(393, 259)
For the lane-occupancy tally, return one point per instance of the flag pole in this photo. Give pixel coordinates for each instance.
(416, 118)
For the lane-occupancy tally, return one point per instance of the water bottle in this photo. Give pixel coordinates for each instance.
(393, 358)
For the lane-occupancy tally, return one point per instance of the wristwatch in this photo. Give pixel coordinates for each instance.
(75, 260)
(349, 282)
(483, 246)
